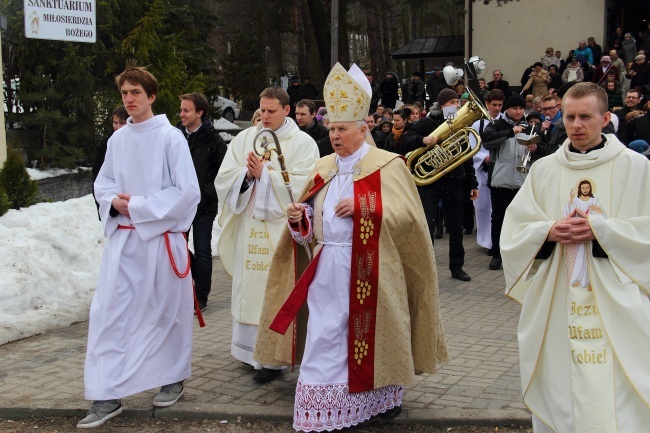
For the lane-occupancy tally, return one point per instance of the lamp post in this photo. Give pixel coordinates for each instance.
(3, 132)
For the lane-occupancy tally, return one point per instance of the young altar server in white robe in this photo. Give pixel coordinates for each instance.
(575, 244)
(483, 204)
(254, 197)
(371, 290)
(140, 329)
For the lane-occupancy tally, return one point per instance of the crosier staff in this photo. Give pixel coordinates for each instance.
(283, 168)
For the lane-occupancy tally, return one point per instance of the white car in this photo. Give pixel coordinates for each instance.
(229, 109)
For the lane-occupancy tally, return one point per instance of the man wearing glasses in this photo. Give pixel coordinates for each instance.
(553, 131)
(632, 98)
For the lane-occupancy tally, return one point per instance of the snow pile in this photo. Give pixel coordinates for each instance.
(223, 125)
(39, 174)
(226, 137)
(50, 255)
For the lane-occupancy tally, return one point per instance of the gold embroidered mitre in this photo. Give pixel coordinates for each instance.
(345, 94)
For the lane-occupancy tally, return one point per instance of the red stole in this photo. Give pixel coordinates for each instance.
(364, 281)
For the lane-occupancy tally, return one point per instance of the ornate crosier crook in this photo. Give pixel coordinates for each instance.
(283, 168)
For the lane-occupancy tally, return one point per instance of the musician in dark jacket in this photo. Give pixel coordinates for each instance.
(208, 150)
(499, 137)
(449, 188)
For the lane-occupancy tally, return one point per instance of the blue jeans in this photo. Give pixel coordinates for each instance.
(202, 263)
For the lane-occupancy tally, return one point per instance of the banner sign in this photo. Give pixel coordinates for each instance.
(61, 20)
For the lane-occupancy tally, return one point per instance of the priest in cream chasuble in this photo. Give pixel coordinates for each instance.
(254, 197)
(584, 332)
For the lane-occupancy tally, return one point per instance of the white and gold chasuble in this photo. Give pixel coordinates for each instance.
(252, 221)
(584, 332)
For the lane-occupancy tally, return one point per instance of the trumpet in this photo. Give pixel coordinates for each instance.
(524, 164)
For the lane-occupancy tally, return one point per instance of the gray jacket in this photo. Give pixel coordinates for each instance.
(505, 154)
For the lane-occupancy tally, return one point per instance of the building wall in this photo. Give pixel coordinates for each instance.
(514, 36)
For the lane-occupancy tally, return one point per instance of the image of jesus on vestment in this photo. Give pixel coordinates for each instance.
(576, 254)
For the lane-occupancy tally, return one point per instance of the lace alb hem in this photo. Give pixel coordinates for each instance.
(331, 407)
(297, 235)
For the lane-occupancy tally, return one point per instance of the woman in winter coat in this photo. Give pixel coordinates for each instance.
(628, 48)
(539, 80)
(573, 73)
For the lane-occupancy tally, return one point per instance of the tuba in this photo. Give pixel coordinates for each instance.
(428, 164)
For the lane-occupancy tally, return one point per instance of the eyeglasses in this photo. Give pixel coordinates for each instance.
(631, 97)
(549, 108)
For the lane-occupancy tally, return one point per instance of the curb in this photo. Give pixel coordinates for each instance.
(199, 411)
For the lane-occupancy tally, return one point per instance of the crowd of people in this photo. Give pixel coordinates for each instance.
(339, 197)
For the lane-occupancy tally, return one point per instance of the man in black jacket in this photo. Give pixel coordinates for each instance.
(388, 90)
(449, 188)
(374, 98)
(295, 91)
(306, 120)
(207, 149)
(378, 137)
(309, 90)
(435, 84)
(499, 83)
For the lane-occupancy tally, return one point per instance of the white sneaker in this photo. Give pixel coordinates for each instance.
(100, 412)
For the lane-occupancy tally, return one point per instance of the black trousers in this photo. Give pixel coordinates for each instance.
(452, 202)
(500, 198)
(202, 263)
(468, 209)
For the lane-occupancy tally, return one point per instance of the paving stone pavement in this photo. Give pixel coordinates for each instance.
(480, 383)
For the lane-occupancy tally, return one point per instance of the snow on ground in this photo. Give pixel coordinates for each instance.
(50, 255)
(223, 125)
(49, 262)
(39, 174)
(226, 137)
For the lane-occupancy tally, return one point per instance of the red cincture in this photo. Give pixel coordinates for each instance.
(197, 310)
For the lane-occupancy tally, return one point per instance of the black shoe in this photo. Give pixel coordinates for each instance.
(469, 231)
(391, 413)
(495, 263)
(460, 275)
(265, 375)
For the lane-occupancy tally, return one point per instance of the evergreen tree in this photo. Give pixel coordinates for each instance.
(4, 202)
(20, 189)
(168, 41)
(67, 89)
(245, 69)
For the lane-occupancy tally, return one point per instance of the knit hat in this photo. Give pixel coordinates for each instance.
(384, 121)
(535, 115)
(606, 59)
(464, 96)
(515, 101)
(445, 96)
